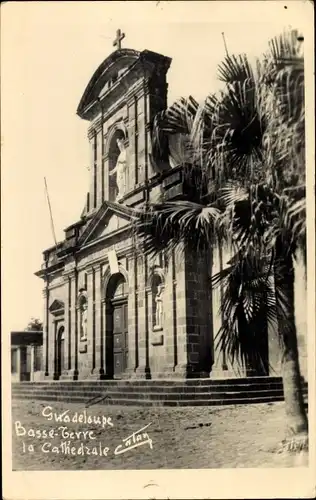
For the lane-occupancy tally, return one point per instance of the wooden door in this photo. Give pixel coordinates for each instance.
(60, 355)
(120, 345)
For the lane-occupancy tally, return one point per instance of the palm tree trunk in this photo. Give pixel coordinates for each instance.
(296, 418)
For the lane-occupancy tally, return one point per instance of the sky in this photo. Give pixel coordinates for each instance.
(49, 51)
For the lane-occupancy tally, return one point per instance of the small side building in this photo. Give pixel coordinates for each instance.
(26, 356)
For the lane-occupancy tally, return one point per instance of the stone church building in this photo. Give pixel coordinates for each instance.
(110, 312)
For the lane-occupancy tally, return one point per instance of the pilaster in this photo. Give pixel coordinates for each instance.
(91, 321)
(100, 172)
(132, 152)
(53, 345)
(18, 363)
(171, 317)
(142, 370)
(132, 361)
(99, 354)
(46, 339)
(32, 363)
(192, 326)
(74, 326)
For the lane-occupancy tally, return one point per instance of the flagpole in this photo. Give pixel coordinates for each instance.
(50, 212)
(223, 35)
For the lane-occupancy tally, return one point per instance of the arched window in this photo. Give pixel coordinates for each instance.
(117, 287)
(61, 333)
(117, 166)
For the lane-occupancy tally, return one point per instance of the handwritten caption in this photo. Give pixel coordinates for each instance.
(61, 439)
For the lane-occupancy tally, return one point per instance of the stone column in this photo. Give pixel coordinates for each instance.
(32, 364)
(193, 318)
(18, 363)
(222, 366)
(133, 143)
(68, 323)
(132, 361)
(46, 339)
(66, 374)
(52, 348)
(180, 318)
(142, 370)
(142, 137)
(74, 326)
(99, 337)
(106, 175)
(171, 310)
(91, 323)
(100, 171)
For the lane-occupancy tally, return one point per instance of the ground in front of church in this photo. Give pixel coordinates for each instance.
(195, 437)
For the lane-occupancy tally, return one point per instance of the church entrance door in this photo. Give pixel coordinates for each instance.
(120, 338)
(258, 365)
(60, 351)
(116, 326)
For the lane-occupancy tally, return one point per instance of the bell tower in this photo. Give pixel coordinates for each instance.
(120, 102)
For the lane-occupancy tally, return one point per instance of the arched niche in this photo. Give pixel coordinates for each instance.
(116, 151)
(157, 286)
(83, 315)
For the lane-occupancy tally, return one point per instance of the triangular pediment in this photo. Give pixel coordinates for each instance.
(109, 219)
(57, 306)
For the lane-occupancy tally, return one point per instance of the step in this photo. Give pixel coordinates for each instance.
(189, 402)
(155, 392)
(153, 395)
(159, 382)
(152, 385)
(150, 390)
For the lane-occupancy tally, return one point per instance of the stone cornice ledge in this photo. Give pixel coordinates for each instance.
(127, 252)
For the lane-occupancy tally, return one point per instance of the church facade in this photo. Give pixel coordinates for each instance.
(111, 312)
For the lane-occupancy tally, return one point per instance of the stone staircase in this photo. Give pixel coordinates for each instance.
(194, 392)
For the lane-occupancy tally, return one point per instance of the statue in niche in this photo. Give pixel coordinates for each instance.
(120, 170)
(159, 307)
(84, 321)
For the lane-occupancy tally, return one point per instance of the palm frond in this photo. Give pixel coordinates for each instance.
(166, 225)
(235, 69)
(284, 108)
(177, 119)
(248, 308)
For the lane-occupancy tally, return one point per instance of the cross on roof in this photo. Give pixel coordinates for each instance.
(118, 39)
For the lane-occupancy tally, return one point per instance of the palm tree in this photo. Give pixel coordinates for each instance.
(245, 164)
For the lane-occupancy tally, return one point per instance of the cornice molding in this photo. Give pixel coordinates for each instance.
(99, 262)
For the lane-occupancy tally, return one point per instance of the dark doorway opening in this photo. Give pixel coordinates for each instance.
(117, 326)
(60, 359)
